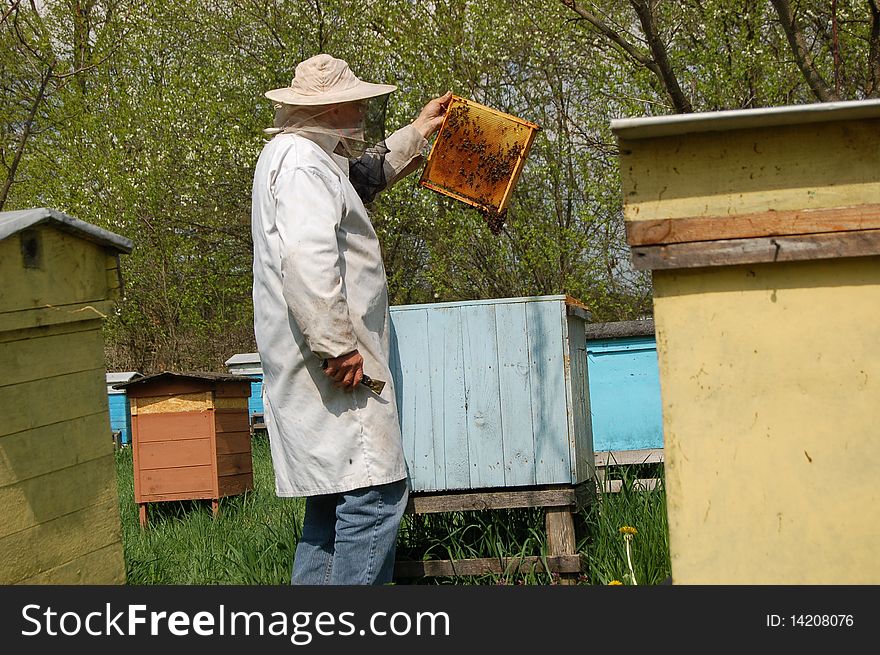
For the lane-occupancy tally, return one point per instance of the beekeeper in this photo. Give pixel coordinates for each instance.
(321, 316)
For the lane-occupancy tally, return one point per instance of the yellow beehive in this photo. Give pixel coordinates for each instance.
(762, 232)
(59, 507)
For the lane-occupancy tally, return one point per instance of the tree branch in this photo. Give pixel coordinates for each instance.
(613, 36)
(658, 51)
(22, 140)
(802, 56)
(657, 63)
(13, 5)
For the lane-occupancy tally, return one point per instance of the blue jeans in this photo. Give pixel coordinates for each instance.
(350, 538)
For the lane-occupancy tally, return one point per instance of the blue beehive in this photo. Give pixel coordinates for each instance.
(120, 408)
(624, 386)
(493, 393)
(249, 364)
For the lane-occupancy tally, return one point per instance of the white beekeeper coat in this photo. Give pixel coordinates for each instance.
(320, 291)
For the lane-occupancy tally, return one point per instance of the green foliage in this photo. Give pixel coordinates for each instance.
(146, 118)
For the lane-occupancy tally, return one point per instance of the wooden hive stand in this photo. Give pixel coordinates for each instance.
(560, 502)
(191, 437)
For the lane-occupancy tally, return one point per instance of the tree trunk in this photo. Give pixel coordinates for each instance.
(802, 57)
(22, 141)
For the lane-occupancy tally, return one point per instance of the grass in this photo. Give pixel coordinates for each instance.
(253, 537)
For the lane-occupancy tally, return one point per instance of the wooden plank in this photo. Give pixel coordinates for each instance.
(181, 481)
(414, 399)
(231, 403)
(186, 402)
(445, 326)
(484, 566)
(207, 494)
(482, 500)
(233, 485)
(515, 392)
(49, 401)
(436, 356)
(71, 351)
(104, 566)
(169, 386)
(233, 389)
(176, 426)
(641, 484)
(45, 546)
(46, 497)
(559, 524)
(114, 277)
(233, 442)
(49, 315)
(547, 372)
(482, 404)
(28, 454)
(456, 304)
(215, 482)
(627, 457)
(171, 453)
(234, 464)
(43, 331)
(756, 251)
(581, 436)
(228, 421)
(755, 224)
(747, 170)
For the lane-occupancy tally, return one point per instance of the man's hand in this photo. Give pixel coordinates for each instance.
(431, 117)
(346, 371)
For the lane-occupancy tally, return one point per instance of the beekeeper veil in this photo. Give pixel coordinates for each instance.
(327, 100)
(349, 128)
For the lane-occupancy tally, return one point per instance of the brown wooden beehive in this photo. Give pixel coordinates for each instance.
(190, 437)
(478, 155)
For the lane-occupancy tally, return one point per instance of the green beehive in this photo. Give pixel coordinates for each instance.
(59, 508)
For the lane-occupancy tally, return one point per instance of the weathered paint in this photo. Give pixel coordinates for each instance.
(731, 173)
(486, 393)
(59, 514)
(769, 377)
(767, 370)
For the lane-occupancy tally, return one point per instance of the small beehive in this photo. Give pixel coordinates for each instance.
(190, 437)
(249, 364)
(59, 507)
(493, 393)
(120, 409)
(478, 155)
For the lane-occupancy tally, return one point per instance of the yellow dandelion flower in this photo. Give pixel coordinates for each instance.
(615, 582)
(628, 529)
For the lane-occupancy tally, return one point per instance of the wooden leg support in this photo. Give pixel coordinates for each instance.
(561, 537)
(142, 514)
(215, 507)
(559, 504)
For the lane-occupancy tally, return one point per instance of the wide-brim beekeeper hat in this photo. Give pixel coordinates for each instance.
(326, 80)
